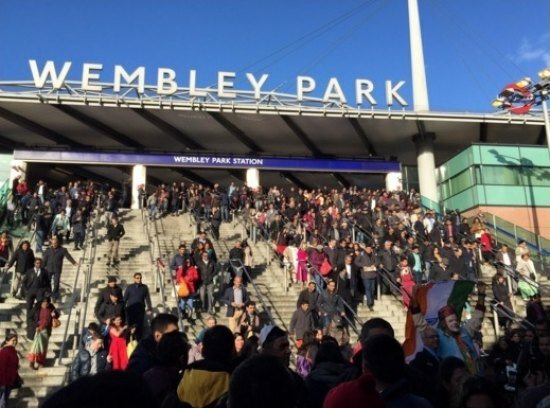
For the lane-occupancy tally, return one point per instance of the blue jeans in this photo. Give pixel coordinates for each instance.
(370, 290)
(40, 235)
(186, 303)
(224, 210)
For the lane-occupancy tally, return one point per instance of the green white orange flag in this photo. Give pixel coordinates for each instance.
(431, 297)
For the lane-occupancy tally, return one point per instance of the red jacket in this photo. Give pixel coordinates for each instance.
(9, 364)
(486, 241)
(190, 276)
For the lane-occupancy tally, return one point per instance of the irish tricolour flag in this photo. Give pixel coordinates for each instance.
(432, 297)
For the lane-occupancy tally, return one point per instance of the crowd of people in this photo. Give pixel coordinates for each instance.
(340, 247)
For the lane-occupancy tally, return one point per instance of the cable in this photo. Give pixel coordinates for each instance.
(304, 39)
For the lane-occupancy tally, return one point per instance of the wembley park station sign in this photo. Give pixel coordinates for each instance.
(168, 82)
(210, 161)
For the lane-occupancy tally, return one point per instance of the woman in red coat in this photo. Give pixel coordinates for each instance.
(187, 276)
(9, 364)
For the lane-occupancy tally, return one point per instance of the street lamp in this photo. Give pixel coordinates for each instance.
(521, 96)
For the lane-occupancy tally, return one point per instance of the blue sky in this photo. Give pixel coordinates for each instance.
(472, 48)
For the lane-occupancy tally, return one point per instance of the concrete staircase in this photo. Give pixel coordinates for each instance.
(13, 317)
(135, 255)
(172, 231)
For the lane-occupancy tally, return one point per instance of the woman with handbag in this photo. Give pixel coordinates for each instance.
(187, 279)
(46, 317)
(9, 366)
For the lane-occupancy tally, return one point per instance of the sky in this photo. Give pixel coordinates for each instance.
(472, 48)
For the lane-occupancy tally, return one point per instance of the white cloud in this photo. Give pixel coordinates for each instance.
(538, 50)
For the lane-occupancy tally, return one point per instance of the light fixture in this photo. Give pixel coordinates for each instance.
(544, 74)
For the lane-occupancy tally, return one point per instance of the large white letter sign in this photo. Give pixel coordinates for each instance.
(224, 85)
(334, 91)
(363, 88)
(88, 76)
(257, 85)
(166, 84)
(40, 78)
(193, 91)
(304, 84)
(138, 74)
(391, 92)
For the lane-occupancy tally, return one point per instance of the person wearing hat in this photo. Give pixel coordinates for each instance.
(455, 338)
(105, 294)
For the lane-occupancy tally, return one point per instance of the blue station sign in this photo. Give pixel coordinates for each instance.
(212, 161)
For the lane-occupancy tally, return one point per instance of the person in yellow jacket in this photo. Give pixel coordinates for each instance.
(204, 382)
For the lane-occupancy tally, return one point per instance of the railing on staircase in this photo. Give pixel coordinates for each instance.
(239, 267)
(152, 234)
(505, 232)
(84, 296)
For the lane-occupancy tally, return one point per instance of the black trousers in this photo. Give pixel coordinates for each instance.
(135, 315)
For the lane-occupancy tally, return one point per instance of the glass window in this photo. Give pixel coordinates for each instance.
(500, 175)
(461, 182)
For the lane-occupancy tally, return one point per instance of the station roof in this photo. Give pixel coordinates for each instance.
(46, 122)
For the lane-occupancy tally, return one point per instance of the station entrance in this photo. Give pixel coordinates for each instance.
(126, 171)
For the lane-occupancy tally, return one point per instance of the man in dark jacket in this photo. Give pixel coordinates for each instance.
(207, 270)
(35, 282)
(366, 261)
(109, 310)
(53, 262)
(144, 356)
(105, 293)
(115, 231)
(387, 261)
(427, 361)
(301, 322)
(136, 297)
(90, 360)
(23, 258)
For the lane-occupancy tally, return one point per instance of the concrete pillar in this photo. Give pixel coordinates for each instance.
(139, 175)
(18, 169)
(394, 181)
(253, 178)
(426, 165)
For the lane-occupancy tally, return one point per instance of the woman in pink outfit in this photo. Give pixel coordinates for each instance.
(406, 279)
(301, 267)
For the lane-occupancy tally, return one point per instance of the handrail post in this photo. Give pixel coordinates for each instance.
(495, 318)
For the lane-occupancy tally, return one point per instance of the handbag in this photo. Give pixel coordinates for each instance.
(183, 289)
(326, 268)
(55, 323)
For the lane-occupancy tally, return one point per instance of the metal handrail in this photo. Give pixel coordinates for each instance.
(175, 294)
(159, 271)
(240, 266)
(315, 271)
(90, 245)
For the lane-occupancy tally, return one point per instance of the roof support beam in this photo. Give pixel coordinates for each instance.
(8, 143)
(194, 177)
(81, 172)
(363, 136)
(483, 132)
(294, 180)
(236, 132)
(170, 130)
(38, 129)
(542, 136)
(341, 180)
(99, 126)
(238, 174)
(301, 135)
